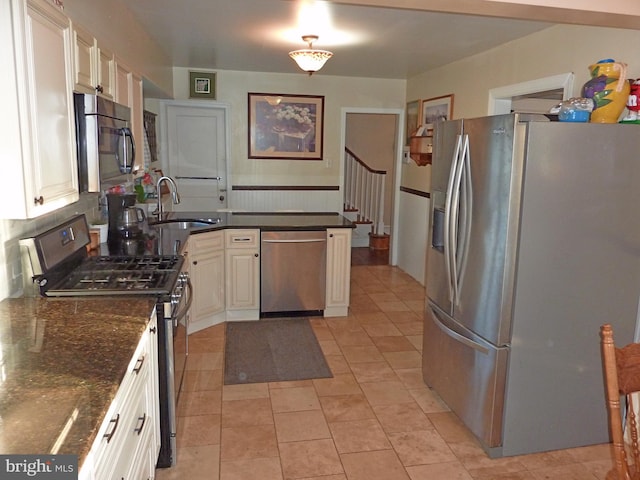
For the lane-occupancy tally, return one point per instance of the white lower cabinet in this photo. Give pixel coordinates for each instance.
(338, 272)
(206, 270)
(242, 274)
(127, 444)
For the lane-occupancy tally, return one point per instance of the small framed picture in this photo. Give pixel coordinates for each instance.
(202, 85)
(436, 109)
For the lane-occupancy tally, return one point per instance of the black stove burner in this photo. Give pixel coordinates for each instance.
(117, 275)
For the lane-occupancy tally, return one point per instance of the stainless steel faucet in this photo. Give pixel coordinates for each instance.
(174, 194)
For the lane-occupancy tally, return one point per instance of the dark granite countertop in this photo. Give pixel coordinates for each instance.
(265, 220)
(63, 361)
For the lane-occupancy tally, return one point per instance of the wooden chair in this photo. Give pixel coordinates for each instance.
(622, 378)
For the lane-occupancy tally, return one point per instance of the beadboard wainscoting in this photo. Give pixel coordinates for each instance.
(271, 198)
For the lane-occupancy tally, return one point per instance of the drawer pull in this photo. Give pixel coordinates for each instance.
(139, 364)
(152, 329)
(114, 422)
(242, 239)
(142, 419)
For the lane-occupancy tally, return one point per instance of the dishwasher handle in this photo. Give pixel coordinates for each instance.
(307, 240)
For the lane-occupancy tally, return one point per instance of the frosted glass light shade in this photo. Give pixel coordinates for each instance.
(310, 60)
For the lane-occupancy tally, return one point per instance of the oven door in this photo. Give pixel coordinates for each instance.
(173, 364)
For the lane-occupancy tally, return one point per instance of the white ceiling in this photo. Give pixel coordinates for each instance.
(256, 35)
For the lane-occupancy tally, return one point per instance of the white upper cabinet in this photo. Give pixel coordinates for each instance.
(94, 65)
(37, 132)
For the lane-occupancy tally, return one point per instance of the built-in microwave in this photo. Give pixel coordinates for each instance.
(106, 148)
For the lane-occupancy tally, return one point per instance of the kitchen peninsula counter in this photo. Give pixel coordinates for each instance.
(63, 361)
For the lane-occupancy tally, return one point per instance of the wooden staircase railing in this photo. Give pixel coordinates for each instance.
(364, 191)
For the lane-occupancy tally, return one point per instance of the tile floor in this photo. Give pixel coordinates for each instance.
(374, 420)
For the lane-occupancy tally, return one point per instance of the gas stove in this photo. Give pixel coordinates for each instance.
(121, 275)
(57, 263)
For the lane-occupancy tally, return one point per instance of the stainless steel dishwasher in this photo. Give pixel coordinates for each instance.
(293, 271)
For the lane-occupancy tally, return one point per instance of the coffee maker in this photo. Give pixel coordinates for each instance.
(117, 204)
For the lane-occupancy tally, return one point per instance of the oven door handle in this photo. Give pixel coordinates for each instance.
(181, 314)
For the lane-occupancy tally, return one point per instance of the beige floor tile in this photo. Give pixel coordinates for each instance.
(346, 407)
(245, 391)
(402, 417)
(205, 402)
(330, 347)
(297, 426)
(386, 393)
(374, 287)
(415, 306)
(421, 447)
(291, 384)
(439, 471)
(411, 359)
(406, 317)
(194, 463)
(310, 458)
(411, 378)
(480, 466)
(198, 380)
(327, 477)
(251, 469)
(373, 372)
(372, 318)
(450, 428)
(409, 327)
(258, 441)
(343, 324)
(416, 341)
(398, 306)
(429, 401)
(387, 329)
(198, 430)
(321, 329)
(294, 399)
(576, 471)
(379, 465)
(353, 338)
(359, 436)
(364, 307)
(241, 413)
(591, 452)
(546, 459)
(387, 296)
(393, 344)
(338, 364)
(358, 354)
(205, 344)
(339, 384)
(205, 361)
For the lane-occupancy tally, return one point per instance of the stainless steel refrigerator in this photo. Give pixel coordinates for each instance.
(534, 242)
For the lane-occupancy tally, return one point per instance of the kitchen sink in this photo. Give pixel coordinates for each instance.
(185, 224)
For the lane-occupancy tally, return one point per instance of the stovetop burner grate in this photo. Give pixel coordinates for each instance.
(121, 275)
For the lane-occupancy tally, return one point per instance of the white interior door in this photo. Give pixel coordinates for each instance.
(197, 154)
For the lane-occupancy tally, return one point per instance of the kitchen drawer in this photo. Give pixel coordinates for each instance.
(242, 238)
(206, 241)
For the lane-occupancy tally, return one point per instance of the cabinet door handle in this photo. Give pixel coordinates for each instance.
(195, 262)
(38, 200)
(256, 255)
(143, 419)
(139, 364)
(331, 235)
(114, 422)
(152, 329)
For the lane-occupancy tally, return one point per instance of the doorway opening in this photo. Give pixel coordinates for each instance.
(534, 96)
(357, 136)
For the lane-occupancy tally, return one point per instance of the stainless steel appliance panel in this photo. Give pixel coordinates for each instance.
(468, 372)
(293, 271)
(578, 267)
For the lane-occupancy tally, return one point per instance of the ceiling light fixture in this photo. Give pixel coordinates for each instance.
(309, 59)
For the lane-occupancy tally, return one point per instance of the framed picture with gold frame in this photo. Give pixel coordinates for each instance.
(412, 113)
(285, 126)
(202, 85)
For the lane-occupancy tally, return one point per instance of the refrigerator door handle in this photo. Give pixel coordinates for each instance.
(466, 213)
(455, 335)
(449, 205)
(454, 217)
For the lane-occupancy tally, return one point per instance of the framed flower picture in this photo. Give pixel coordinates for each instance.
(283, 126)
